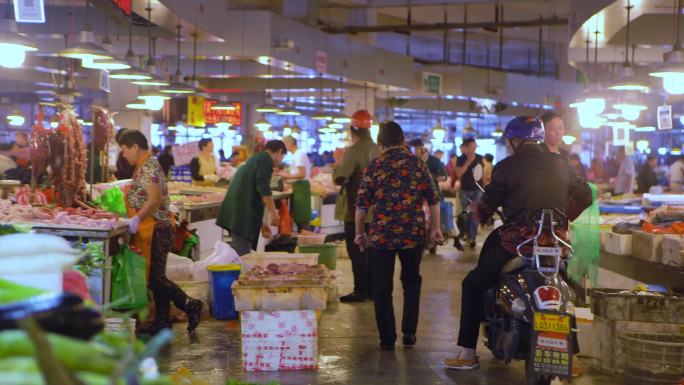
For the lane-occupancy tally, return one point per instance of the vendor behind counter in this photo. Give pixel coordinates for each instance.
(300, 173)
(203, 166)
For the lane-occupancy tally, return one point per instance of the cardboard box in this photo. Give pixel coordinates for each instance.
(279, 340)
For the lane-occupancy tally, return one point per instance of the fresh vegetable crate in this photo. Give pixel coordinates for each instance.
(279, 340)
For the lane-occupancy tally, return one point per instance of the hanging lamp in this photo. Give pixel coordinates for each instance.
(177, 86)
(132, 73)
(267, 106)
(151, 68)
(672, 71)
(627, 81)
(106, 64)
(321, 114)
(262, 125)
(86, 48)
(223, 104)
(13, 45)
(340, 117)
(289, 109)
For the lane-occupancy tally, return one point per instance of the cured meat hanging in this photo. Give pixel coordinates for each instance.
(39, 148)
(68, 178)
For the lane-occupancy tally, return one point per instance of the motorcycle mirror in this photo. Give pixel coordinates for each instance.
(477, 173)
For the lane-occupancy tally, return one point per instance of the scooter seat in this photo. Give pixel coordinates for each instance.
(514, 264)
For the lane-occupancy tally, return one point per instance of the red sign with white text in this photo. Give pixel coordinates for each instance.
(124, 5)
(234, 117)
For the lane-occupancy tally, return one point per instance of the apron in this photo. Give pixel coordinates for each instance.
(143, 238)
(207, 167)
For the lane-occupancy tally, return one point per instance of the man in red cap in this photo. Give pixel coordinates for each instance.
(348, 173)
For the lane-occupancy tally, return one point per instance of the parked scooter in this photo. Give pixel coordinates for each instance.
(529, 314)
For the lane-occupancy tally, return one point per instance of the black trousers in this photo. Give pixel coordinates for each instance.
(382, 266)
(164, 290)
(485, 275)
(359, 260)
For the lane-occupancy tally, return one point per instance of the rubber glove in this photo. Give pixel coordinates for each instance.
(133, 224)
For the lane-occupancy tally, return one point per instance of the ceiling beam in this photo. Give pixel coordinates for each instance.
(541, 22)
(414, 3)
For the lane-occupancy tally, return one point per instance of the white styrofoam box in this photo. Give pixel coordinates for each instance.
(271, 298)
(584, 320)
(647, 246)
(618, 244)
(328, 216)
(672, 245)
(279, 340)
(266, 258)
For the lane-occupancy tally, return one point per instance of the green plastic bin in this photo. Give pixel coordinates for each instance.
(327, 254)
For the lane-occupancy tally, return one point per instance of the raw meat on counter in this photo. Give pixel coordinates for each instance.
(195, 199)
(87, 218)
(69, 179)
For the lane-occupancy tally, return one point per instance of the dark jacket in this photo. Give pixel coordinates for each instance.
(531, 180)
(166, 161)
(646, 179)
(349, 174)
(124, 170)
(242, 210)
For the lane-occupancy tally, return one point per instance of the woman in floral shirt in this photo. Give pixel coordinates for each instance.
(150, 223)
(394, 187)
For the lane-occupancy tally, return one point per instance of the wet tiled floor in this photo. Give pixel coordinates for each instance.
(348, 343)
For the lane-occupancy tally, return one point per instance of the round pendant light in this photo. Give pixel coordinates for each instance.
(177, 86)
(13, 46)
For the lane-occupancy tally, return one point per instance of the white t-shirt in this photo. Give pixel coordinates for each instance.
(300, 159)
(677, 176)
(624, 182)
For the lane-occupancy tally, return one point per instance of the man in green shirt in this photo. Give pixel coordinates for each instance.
(348, 173)
(242, 211)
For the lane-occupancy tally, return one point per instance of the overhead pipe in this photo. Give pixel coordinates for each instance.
(404, 29)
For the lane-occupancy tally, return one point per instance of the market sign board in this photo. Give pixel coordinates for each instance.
(104, 81)
(234, 117)
(29, 11)
(195, 116)
(432, 83)
(321, 62)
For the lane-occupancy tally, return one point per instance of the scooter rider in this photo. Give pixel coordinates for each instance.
(522, 184)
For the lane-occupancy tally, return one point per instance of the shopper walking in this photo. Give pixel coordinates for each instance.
(347, 173)
(394, 189)
(203, 166)
(647, 177)
(147, 203)
(470, 192)
(624, 181)
(249, 193)
(300, 173)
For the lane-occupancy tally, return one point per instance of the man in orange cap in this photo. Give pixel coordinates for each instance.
(348, 173)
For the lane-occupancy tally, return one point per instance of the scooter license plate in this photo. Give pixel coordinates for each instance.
(555, 323)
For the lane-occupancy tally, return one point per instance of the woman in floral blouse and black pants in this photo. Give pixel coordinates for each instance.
(394, 187)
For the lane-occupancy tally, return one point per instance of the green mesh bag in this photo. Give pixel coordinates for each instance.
(586, 241)
(113, 200)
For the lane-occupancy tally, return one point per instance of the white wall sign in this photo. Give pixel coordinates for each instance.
(104, 80)
(321, 62)
(665, 117)
(29, 11)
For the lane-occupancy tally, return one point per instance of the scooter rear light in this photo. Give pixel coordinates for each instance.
(547, 298)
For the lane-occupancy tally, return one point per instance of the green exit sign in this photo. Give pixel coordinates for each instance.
(432, 83)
